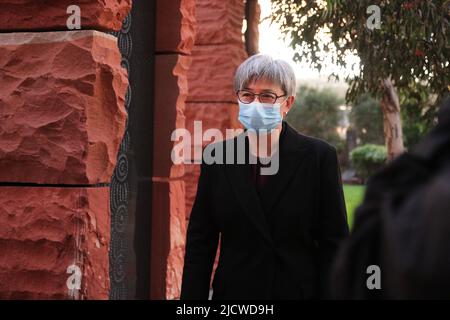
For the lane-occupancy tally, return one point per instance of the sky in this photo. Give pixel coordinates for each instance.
(271, 42)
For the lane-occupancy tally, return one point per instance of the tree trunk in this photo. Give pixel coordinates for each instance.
(252, 16)
(393, 132)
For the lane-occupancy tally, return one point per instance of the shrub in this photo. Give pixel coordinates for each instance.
(367, 159)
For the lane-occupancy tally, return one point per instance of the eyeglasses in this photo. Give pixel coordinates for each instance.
(247, 97)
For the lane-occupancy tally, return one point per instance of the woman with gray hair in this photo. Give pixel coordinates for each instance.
(279, 232)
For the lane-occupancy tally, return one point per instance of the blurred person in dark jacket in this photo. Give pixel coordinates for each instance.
(403, 227)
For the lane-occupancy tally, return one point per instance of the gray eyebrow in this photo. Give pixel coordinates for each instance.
(263, 90)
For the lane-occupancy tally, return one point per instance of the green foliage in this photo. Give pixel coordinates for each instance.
(354, 195)
(366, 118)
(316, 114)
(411, 46)
(367, 159)
(418, 115)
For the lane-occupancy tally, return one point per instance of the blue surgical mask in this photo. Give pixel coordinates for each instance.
(256, 115)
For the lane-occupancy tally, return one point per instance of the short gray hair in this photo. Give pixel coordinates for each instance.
(265, 67)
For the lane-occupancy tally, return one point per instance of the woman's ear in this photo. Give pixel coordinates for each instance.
(289, 103)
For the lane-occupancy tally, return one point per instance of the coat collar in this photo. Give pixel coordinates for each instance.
(291, 153)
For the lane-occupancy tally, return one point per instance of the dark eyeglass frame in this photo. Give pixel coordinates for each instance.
(258, 94)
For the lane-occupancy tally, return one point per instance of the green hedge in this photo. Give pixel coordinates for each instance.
(367, 159)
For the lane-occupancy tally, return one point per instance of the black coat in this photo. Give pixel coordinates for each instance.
(284, 256)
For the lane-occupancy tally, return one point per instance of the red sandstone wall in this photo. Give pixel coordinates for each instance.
(61, 122)
(219, 49)
(193, 82)
(44, 230)
(25, 15)
(62, 118)
(175, 33)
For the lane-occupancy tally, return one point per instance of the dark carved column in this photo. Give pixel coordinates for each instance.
(131, 185)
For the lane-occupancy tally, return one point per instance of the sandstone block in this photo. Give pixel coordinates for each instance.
(175, 26)
(44, 231)
(212, 72)
(29, 15)
(171, 89)
(168, 237)
(219, 22)
(62, 113)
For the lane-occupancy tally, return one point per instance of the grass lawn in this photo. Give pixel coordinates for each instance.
(353, 197)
